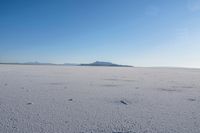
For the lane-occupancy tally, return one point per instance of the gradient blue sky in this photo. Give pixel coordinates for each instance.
(134, 32)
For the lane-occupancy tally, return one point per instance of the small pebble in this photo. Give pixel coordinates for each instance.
(123, 102)
(70, 99)
(192, 99)
(29, 103)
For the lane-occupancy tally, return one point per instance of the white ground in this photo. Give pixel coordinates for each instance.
(58, 99)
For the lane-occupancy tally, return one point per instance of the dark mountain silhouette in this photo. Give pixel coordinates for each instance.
(101, 63)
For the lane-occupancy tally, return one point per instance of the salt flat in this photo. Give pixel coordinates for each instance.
(60, 99)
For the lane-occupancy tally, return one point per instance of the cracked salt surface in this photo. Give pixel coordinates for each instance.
(58, 99)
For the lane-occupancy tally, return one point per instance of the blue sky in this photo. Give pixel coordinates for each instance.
(134, 32)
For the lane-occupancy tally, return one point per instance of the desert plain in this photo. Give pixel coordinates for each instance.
(84, 99)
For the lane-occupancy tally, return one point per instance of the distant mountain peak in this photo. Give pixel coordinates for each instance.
(103, 63)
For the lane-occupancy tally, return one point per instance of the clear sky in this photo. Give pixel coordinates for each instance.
(133, 32)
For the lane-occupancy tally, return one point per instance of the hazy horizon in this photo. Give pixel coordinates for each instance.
(138, 33)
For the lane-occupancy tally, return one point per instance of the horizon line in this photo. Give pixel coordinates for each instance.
(79, 64)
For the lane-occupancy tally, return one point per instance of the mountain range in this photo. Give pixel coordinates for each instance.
(97, 63)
